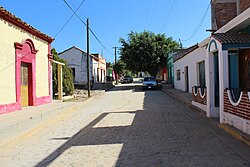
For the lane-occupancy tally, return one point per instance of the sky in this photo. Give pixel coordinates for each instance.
(111, 20)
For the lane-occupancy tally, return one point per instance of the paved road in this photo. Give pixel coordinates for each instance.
(128, 127)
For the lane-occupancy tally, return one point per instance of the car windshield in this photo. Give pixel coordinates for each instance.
(149, 79)
(126, 77)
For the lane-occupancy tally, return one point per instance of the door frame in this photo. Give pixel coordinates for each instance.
(186, 76)
(26, 53)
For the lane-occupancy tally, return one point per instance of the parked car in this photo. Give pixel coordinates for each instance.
(126, 79)
(149, 83)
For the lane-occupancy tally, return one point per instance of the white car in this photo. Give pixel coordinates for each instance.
(149, 83)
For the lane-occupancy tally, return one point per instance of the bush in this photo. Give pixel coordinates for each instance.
(68, 84)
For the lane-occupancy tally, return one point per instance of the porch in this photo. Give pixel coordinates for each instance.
(229, 79)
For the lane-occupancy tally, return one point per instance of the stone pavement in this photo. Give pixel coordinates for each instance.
(18, 123)
(129, 127)
(186, 98)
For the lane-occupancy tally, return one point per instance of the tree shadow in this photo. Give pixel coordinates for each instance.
(163, 133)
(130, 136)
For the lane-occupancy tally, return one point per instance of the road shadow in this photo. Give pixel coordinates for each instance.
(159, 135)
(130, 136)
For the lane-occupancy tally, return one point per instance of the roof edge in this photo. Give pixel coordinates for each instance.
(9, 17)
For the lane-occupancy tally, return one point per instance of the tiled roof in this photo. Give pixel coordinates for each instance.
(227, 38)
(183, 52)
(6, 15)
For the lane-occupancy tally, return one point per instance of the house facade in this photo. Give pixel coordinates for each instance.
(227, 64)
(170, 68)
(99, 68)
(189, 67)
(25, 68)
(77, 61)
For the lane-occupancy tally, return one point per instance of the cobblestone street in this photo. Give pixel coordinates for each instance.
(128, 127)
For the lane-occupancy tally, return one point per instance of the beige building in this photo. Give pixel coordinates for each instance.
(25, 68)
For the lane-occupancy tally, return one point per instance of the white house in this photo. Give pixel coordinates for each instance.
(227, 64)
(99, 68)
(189, 67)
(77, 61)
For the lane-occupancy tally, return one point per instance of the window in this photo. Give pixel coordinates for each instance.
(233, 61)
(73, 73)
(178, 74)
(201, 77)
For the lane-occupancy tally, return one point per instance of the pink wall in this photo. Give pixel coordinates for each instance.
(26, 53)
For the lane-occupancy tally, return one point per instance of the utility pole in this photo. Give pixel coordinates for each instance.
(116, 82)
(88, 80)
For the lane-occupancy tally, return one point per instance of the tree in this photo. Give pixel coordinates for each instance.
(68, 84)
(119, 67)
(146, 51)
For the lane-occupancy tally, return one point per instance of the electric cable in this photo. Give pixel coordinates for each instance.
(199, 25)
(69, 19)
(170, 13)
(86, 26)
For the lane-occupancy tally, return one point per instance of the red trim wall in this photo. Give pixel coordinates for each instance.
(26, 53)
(242, 110)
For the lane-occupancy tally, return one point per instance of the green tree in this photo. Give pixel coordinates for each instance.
(146, 51)
(68, 84)
(119, 67)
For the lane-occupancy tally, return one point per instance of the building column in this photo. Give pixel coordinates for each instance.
(209, 82)
(224, 80)
(59, 81)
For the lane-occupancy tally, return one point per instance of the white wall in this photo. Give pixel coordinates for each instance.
(95, 69)
(78, 59)
(191, 61)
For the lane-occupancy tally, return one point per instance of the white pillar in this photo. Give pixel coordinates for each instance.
(223, 75)
(209, 63)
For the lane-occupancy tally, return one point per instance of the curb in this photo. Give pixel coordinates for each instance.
(227, 128)
(236, 133)
(32, 125)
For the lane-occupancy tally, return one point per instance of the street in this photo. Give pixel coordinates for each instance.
(128, 127)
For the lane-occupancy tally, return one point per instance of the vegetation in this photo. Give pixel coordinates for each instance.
(68, 84)
(119, 67)
(146, 51)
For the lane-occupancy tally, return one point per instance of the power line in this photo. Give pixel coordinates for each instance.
(170, 13)
(146, 21)
(165, 9)
(69, 19)
(86, 26)
(152, 14)
(200, 24)
(54, 37)
(99, 41)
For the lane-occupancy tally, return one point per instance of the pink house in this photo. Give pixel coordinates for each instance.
(25, 68)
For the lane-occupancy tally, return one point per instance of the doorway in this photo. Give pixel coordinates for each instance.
(186, 79)
(26, 84)
(216, 81)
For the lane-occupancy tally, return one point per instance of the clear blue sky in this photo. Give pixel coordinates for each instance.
(112, 19)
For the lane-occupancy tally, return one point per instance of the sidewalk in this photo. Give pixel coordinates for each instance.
(16, 123)
(186, 98)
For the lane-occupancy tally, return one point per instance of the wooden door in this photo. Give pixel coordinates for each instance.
(24, 85)
(245, 69)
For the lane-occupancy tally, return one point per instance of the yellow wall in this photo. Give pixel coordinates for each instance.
(9, 35)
